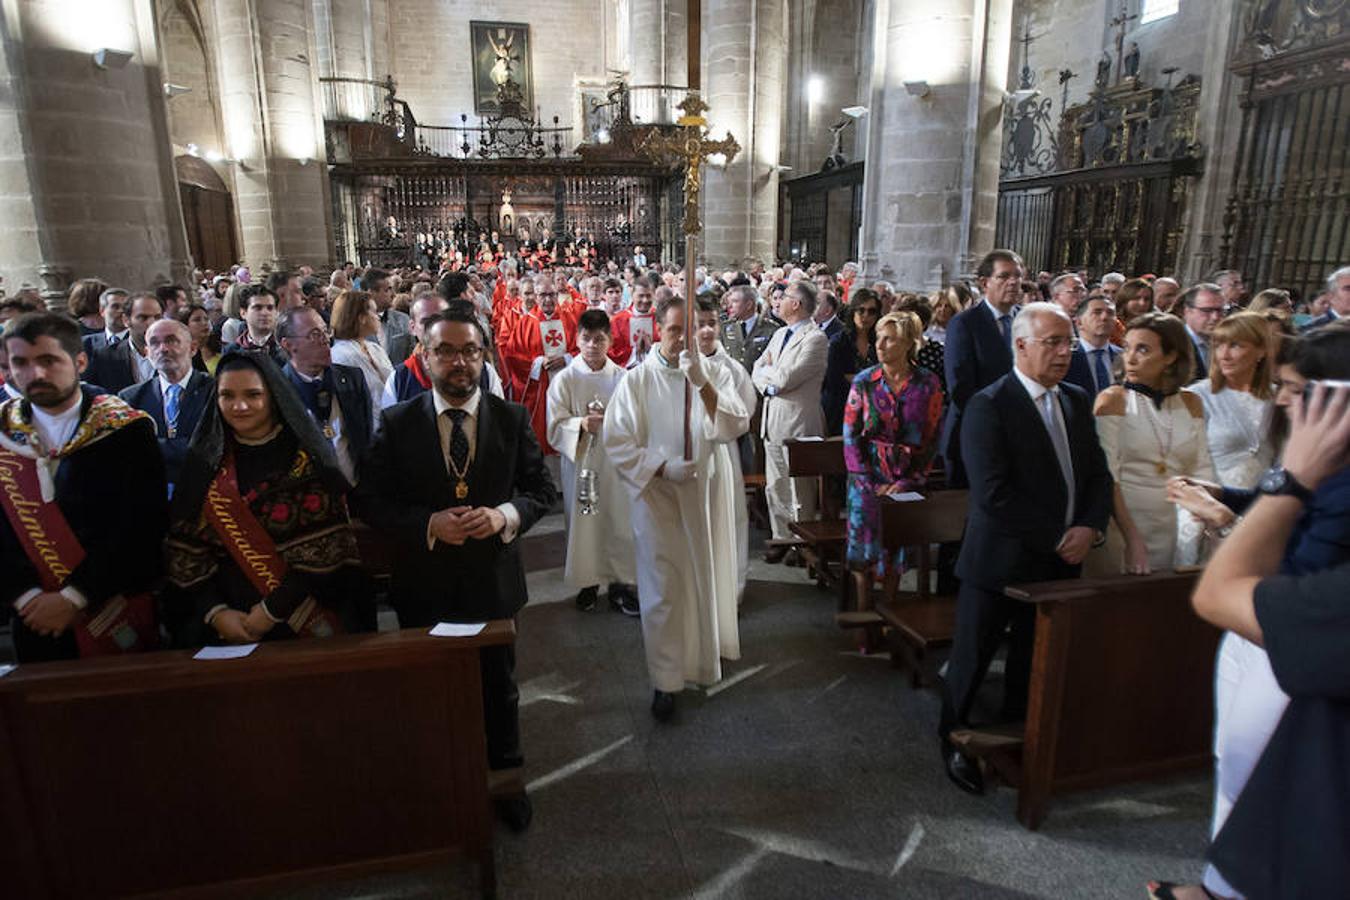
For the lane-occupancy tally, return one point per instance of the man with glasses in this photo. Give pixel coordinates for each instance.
(1203, 307)
(1040, 495)
(1067, 291)
(176, 396)
(454, 478)
(335, 395)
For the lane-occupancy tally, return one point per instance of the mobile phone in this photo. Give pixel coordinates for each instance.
(1331, 385)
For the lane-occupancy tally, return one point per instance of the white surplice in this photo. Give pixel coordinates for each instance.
(729, 480)
(686, 562)
(599, 545)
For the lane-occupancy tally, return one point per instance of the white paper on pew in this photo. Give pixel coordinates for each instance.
(809, 437)
(231, 651)
(457, 629)
(6, 669)
(906, 497)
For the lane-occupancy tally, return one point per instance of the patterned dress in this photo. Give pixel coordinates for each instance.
(889, 439)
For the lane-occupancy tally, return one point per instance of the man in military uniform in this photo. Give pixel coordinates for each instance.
(746, 332)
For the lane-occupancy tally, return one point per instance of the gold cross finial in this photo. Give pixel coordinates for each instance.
(689, 144)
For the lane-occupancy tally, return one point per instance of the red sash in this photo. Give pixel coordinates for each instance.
(125, 623)
(254, 552)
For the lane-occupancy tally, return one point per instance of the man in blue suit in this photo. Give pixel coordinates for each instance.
(979, 348)
(1092, 364)
(175, 396)
(1040, 496)
(119, 361)
(1338, 288)
(827, 314)
(335, 395)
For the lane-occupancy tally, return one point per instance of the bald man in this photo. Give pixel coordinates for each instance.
(175, 396)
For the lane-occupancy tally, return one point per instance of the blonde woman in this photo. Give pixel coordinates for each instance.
(354, 321)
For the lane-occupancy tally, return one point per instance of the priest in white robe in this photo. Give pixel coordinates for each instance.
(599, 542)
(686, 577)
(728, 478)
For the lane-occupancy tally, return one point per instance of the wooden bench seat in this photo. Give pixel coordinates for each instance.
(822, 540)
(916, 627)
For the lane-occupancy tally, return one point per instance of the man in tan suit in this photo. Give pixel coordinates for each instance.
(788, 374)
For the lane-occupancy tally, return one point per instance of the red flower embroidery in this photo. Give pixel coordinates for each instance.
(312, 503)
(281, 512)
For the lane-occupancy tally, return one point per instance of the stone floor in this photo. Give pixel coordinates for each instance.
(810, 772)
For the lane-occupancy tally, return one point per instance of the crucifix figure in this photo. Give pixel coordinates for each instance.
(691, 146)
(1122, 19)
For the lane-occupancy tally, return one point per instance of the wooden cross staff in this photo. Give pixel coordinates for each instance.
(691, 146)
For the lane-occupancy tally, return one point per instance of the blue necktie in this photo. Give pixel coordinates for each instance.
(1102, 374)
(171, 406)
(1005, 326)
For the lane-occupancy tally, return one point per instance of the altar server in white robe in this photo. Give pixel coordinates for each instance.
(728, 478)
(686, 577)
(599, 543)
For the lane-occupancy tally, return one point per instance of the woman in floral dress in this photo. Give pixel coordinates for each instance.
(890, 436)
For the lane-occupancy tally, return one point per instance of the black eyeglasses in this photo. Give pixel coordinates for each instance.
(447, 354)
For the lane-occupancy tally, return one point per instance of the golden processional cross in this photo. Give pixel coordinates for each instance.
(691, 146)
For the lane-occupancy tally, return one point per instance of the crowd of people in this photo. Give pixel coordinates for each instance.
(186, 464)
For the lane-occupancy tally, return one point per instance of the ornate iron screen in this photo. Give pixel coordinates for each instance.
(1286, 220)
(1108, 189)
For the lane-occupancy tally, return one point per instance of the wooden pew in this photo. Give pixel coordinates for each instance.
(822, 540)
(1121, 689)
(920, 621)
(157, 774)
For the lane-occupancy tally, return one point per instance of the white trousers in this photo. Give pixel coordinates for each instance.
(789, 499)
(1248, 704)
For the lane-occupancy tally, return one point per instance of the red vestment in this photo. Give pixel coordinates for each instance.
(523, 357)
(621, 343)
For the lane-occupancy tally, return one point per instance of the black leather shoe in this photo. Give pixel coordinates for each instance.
(623, 600)
(588, 598)
(663, 706)
(515, 810)
(962, 770)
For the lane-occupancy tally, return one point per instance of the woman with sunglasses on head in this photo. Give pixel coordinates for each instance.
(851, 351)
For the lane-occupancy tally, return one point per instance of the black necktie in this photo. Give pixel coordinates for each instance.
(459, 441)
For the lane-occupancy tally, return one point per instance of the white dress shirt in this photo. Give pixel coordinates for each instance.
(445, 428)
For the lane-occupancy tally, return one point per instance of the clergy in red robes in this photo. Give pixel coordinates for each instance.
(541, 342)
(634, 329)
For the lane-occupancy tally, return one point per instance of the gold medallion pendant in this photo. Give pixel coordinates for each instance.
(1162, 467)
(461, 490)
(329, 432)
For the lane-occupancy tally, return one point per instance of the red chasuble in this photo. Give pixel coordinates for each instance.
(525, 346)
(621, 330)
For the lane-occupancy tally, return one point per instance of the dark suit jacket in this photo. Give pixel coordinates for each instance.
(401, 346)
(1080, 368)
(1017, 494)
(113, 496)
(111, 368)
(834, 328)
(841, 364)
(746, 349)
(404, 479)
(148, 398)
(975, 356)
(353, 400)
(278, 355)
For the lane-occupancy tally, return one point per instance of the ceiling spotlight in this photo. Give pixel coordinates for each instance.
(108, 58)
(175, 90)
(854, 112)
(918, 89)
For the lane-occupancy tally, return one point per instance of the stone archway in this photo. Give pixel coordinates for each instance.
(208, 214)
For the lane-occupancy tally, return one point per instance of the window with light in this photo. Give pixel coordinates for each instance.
(1153, 10)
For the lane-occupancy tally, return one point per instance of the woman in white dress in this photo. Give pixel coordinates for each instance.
(1151, 430)
(355, 319)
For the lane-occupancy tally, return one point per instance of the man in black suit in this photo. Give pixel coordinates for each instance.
(455, 477)
(108, 489)
(1040, 495)
(335, 395)
(827, 313)
(1092, 364)
(259, 306)
(176, 397)
(1202, 308)
(979, 348)
(118, 363)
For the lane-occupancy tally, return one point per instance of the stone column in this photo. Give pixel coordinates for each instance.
(269, 97)
(744, 53)
(931, 186)
(86, 169)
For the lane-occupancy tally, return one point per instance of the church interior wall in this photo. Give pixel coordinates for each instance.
(568, 40)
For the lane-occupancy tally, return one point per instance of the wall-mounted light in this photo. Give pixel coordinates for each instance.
(780, 169)
(304, 160)
(175, 90)
(602, 135)
(815, 89)
(1023, 94)
(918, 89)
(108, 58)
(193, 150)
(854, 112)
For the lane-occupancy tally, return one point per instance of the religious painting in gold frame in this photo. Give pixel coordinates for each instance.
(501, 54)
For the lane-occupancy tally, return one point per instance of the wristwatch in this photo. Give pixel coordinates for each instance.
(1279, 483)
